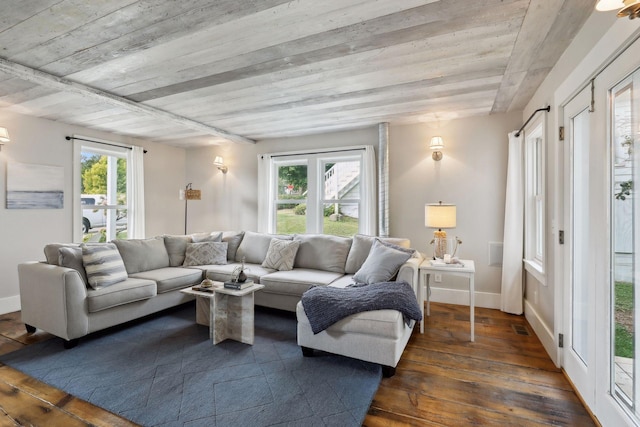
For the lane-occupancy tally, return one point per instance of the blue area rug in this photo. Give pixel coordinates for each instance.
(164, 371)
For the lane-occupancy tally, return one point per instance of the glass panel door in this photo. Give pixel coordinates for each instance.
(624, 232)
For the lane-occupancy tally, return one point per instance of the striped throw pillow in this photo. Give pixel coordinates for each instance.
(103, 264)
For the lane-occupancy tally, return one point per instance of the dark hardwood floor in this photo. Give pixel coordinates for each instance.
(503, 378)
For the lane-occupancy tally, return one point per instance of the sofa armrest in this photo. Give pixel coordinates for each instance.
(53, 299)
(410, 272)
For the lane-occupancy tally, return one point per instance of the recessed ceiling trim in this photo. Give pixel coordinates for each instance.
(65, 85)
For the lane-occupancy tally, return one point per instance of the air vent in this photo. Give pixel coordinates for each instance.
(520, 329)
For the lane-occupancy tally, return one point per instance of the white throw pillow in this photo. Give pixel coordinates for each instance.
(382, 263)
(281, 254)
(205, 253)
(103, 264)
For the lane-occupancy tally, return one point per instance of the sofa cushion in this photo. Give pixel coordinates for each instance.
(380, 323)
(233, 239)
(125, 292)
(254, 246)
(143, 254)
(221, 273)
(383, 263)
(296, 282)
(205, 253)
(52, 254)
(215, 236)
(322, 252)
(176, 247)
(361, 247)
(281, 254)
(171, 278)
(71, 257)
(103, 264)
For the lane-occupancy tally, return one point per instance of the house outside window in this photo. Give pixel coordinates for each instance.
(535, 200)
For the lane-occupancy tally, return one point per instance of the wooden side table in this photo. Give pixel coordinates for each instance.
(228, 313)
(467, 270)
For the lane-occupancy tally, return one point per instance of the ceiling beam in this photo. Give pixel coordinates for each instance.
(69, 86)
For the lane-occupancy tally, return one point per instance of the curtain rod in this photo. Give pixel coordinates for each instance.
(547, 109)
(316, 152)
(69, 138)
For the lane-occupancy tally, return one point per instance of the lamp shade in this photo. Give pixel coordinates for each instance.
(438, 215)
(218, 161)
(604, 5)
(436, 143)
(4, 135)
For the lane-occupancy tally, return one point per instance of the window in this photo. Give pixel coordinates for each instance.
(535, 200)
(321, 192)
(102, 187)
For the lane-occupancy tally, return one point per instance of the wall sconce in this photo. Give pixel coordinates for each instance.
(219, 162)
(436, 144)
(4, 137)
(630, 8)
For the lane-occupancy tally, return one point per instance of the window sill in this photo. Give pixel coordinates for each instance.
(536, 270)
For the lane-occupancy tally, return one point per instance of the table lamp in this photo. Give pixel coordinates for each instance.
(439, 215)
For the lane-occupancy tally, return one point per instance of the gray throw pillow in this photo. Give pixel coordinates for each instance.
(103, 265)
(362, 246)
(176, 248)
(233, 239)
(254, 246)
(206, 253)
(382, 264)
(281, 254)
(71, 257)
(215, 236)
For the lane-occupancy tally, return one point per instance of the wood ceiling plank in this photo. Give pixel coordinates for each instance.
(253, 31)
(16, 11)
(377, 34)
(527, 88)
(54, 21)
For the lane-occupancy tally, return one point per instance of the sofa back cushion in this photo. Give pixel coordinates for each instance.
(51, 251)
(362, 246)
(71, 257)
(176, 247)
(143, 254)
(254, 246)
(322, 252)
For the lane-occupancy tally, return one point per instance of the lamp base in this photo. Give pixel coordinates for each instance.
(445, 246)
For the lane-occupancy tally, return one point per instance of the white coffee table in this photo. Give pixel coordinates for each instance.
(228, 313)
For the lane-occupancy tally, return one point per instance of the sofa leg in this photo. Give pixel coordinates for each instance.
(388, 371)
(306, 351)
(69, 344)
(30, 329)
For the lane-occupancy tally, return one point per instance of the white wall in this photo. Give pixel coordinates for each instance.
(24, 232)
(471, 175)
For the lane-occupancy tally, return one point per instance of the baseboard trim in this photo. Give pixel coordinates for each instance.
(545, 335)
(460, 297)
(10, 304)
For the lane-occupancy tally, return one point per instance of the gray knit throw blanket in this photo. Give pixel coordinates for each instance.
(325, 305)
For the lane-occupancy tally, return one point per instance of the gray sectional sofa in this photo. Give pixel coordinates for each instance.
(57, 296)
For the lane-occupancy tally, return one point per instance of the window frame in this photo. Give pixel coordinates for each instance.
(112, 149)
(315, 200)
(535, 199)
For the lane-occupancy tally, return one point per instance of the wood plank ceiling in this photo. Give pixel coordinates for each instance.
(198, 72)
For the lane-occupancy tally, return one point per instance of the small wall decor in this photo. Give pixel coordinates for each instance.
(35, 186)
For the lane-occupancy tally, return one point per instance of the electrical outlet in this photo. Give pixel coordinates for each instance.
(437, 278)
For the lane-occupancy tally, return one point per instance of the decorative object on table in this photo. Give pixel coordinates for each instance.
(440, 215)
(630, 8)
(219, 163)
(238, 285)
(35, 186)
(206, 283)
(238, 275)
(436, 144)
(188, 194)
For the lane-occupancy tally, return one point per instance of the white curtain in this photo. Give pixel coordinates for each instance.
(135, 197)
(265, 215)
(368, 216)
(512, 282)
